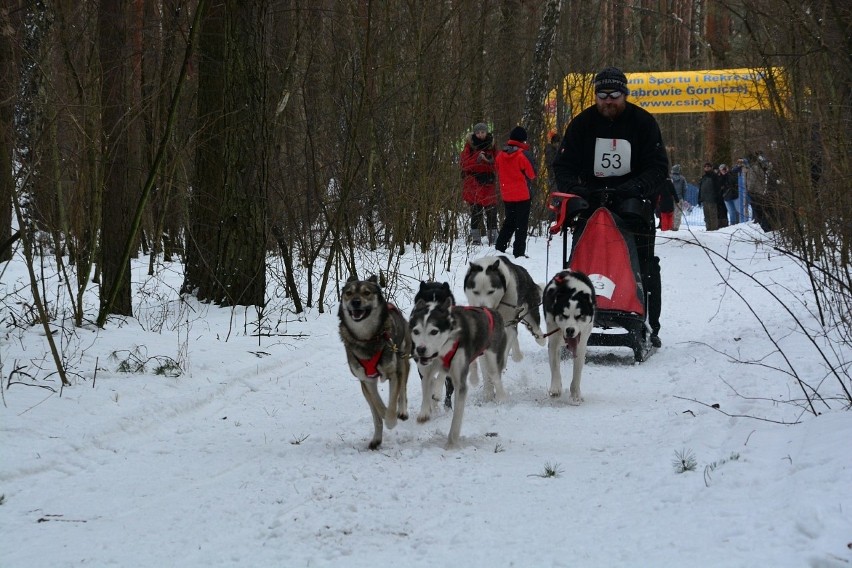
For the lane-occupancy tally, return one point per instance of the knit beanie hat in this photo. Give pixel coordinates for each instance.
(676, 169)
(480, 126)
(611, 79)
(518, 134)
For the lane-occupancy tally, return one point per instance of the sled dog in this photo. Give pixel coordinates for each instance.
(569, 311)
(436, 293)
(496, 282)
(375, 336)
(446, 340)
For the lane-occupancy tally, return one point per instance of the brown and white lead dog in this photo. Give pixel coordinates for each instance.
(569, 312)
(375, 336)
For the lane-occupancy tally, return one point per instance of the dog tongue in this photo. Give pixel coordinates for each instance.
(358, 314)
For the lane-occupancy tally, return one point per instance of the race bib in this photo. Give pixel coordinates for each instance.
(612, 157)
(603, 286)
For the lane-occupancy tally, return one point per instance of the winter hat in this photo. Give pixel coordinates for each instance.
(611, 79)
(518, 134)
(676, 169)
(480, 126)
(723, 166)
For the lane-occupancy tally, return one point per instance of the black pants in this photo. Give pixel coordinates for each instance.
(644, 234)
(483, 217)
(516, 222)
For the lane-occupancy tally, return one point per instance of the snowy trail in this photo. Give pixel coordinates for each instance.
(261, 460)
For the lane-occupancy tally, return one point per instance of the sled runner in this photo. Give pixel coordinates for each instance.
(606, 253)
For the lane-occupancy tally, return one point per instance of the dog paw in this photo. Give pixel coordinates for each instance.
(374, 444)
(421, 418)
(555, 393)
(517, 355)
(540, 339)
(390, 422)
(403, 415)
(576, 400)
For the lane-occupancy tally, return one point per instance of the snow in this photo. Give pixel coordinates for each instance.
(256, 454)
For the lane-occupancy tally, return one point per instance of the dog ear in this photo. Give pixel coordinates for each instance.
(495, 265)
(446, 286)
(352, 278)
(446, 304)
(374, 279)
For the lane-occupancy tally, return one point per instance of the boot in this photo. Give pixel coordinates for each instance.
(475, 238)
(492, 236)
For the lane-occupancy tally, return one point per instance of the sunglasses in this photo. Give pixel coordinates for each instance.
(613, 95)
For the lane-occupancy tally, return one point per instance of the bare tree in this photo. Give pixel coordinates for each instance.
(118, 195)
(8, 86)
(226, 252)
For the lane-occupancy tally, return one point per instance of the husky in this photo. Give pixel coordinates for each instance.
(569, 311)
(375, 336)
(436, 293)
(446, 339)
(496, 282)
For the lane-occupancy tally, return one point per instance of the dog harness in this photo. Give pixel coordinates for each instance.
(448, 358)
(371, 365)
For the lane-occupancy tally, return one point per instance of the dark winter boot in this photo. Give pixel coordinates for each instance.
(475, 238)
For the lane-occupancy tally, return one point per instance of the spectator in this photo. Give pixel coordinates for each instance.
(729, 184)
(515, 170)
(591, 158)
(666, 206)
(742, 172)
(679, 183)
(760, 184)
(479, 190)
(721, 210)
(550, 153)
(708, 197)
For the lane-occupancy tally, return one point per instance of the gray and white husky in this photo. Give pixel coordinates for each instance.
(446, 340)
(375, 335)
(436, 293)
(569, 310)
(496, 282)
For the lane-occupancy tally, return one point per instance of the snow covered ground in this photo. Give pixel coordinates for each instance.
(256, 454)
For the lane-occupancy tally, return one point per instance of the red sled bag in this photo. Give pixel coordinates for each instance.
(608, 256)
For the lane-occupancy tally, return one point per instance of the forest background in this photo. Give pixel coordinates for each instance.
(274, 139)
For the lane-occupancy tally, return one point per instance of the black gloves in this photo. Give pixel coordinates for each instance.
(629, 189)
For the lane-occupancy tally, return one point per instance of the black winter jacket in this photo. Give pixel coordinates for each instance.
(575, 164)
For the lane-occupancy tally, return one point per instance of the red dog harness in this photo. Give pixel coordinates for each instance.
(448, 358)
(371, 365)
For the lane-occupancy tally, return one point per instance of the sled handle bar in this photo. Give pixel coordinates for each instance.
(561, 207)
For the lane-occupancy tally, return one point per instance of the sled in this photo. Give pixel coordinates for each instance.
(606, 253)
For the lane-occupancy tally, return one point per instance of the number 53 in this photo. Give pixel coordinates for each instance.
(610, 160)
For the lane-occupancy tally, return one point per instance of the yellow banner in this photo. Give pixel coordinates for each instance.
(680, 91)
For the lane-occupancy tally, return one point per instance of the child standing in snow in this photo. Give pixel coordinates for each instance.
(514, 171)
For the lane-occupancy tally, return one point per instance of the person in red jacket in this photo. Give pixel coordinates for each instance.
(514, 172)
(478, 186)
